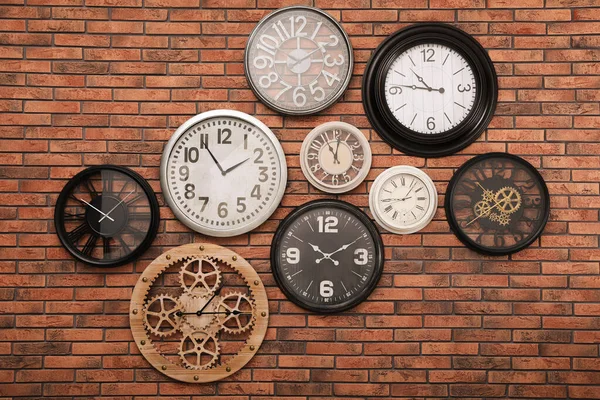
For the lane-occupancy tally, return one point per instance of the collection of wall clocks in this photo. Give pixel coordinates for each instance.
(106, 216)
(223, 173)
(327, 256)
(497, 204)
(403, 199)
(199, 312)
(335, 157)
(298, 60)
(430, 90)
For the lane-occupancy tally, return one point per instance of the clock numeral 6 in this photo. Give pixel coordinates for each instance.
(292, 255)
(299, 96)
(361, 256)
(326, 288)
(431, 123)
(222, 210)
(327, 225)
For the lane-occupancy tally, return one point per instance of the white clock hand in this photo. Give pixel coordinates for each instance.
(344, 247)
(83, 201)
(113, 209)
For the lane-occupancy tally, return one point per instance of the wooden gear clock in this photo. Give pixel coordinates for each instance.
(199, 313)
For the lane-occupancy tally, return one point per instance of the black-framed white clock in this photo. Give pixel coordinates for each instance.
(327, 256)
(298, 60)
(106, 215)
(430, 90)
(497, 204)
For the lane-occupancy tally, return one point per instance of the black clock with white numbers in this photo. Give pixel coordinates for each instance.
(327, 256)
(430, 90)
(106, 216)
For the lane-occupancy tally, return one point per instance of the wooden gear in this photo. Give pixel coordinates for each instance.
(213, 370)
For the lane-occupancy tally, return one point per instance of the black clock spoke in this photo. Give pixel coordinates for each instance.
(74, 217)
(105, 247)
(135, 199)
(123, 189)
(90, 245)
(89, 186)
(79, 232)
(124, 245)
(107, 181)
(140, 216)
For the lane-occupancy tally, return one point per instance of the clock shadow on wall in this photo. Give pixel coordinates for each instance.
(429, 90)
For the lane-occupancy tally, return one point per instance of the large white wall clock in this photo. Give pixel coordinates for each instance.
(298, 60)
(403, 199)
(335, 157)
(223, 173)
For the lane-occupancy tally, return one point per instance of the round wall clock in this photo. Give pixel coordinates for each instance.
(403, 199)
(497, 204)
(223, 173)
(430, 90)
(199, 313)
(106, 216)
(327, 256)
(335, 157)
(298, 60)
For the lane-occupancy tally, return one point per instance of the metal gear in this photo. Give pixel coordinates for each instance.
(199, 350)
(235, 313)
(503, 219)
(488, 195)
(508, 200)
(192, 304)
(481, 208)
(493, 217)
(200, 276)
(159, 315)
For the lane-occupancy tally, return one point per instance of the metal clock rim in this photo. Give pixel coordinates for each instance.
(433, 201)
(360, 137)
(266, 101)
(460, 234)
(377, 244)
(183, 128)
(152, 228)
(466, 132)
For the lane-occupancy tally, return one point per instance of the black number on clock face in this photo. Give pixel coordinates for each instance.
(327, 256)
(106, 215)
(497, 203)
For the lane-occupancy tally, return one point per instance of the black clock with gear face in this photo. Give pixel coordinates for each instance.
(497, 204)
(327, 256)
(106, 216)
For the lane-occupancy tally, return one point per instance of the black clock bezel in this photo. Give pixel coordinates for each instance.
(454, 225)
(63, 234)
(434, 145)
(378, 256)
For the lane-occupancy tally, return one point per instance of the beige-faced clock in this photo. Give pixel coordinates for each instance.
(199, 313)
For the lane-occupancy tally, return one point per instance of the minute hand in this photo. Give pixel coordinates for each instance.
(421, 80)
(344, 247)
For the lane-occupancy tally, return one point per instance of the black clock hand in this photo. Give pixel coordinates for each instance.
(228, 170)
(414, 87)
(421, 80)
(332, 152)
(215, 160)
(337, 149)
(199, 312)
(234, 312)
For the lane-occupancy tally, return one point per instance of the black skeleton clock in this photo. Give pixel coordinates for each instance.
(497, 203)
(106, 216)
(327, 256)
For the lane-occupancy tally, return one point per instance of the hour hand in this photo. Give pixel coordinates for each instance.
(421, 80)
(316, 248)
(228, 170)
(215, 160)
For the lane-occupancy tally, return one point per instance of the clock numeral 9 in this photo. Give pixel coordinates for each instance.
(428, 55)
(327, 225)
(361, 256)
(431, 123)
(184, 173)
(262, 62)
(395, 90)
(326, 288)
(292, 255)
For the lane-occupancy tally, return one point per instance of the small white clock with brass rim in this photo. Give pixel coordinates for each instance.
(335, 157)
(403, 199)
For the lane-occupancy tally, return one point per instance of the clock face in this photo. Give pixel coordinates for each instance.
(403, 199)
(497, 203)
(106, 216)
(223, 173)
(430, 88)
(327, 256)
(298, 60)
(335, 157)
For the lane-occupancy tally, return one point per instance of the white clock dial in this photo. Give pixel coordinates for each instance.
(403, 199)
(430, 88)
(335, 157)
(223, 173)
(298, 60)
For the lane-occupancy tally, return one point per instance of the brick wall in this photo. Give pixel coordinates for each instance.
(109, 81)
